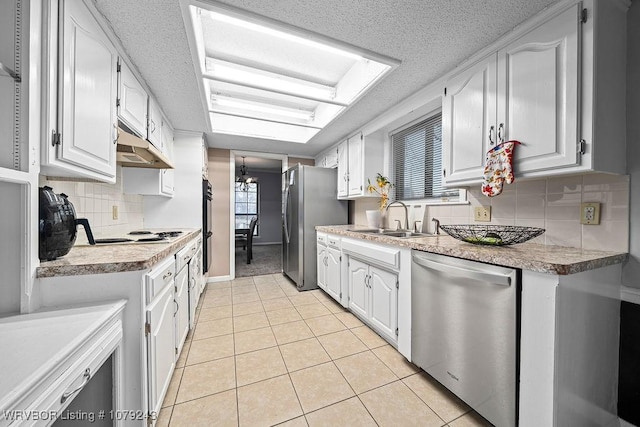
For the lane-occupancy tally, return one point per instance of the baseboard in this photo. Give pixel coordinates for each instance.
(216, 279)
(630, 294)
(266, 243)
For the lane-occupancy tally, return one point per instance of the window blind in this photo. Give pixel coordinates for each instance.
(417, 161)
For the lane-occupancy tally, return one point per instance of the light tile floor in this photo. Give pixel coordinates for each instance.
(264, 354)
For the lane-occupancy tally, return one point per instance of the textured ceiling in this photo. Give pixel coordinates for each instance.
(430, 37)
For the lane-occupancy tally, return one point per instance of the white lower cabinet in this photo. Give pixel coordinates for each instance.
(373, 294)
(161, 355)
(329, 269)
(182, 308)
(372, 280)
(334, 284)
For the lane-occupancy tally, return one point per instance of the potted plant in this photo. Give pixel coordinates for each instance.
(381, 187)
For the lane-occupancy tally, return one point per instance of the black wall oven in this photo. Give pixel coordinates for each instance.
(207, 197)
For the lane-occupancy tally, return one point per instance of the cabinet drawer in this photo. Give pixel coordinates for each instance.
(159, 277)
(185, 254)
(379, 255)
(65, 388)
(333, 241)
(321, 238)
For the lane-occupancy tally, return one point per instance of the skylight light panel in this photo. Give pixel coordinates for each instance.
(234, 73)
(269, 80)
(306, 117)
(281, 34)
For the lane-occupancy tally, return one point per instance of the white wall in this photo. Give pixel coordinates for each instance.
(184, 209)
(631, 270)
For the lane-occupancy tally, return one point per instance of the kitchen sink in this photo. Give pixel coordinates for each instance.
(394, 233)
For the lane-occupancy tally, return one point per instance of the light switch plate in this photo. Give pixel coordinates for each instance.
(590, 213)
(114, 212)
(482, 213)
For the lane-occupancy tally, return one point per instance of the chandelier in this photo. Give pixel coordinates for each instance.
(244, 179)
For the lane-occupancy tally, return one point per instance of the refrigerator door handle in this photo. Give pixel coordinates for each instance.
(287, 195)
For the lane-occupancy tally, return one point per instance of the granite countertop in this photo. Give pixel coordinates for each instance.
(114, 258)
(527, 256)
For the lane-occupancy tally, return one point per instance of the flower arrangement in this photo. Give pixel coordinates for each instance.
(382, 187)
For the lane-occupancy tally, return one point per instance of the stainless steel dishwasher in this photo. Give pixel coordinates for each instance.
(464, 331)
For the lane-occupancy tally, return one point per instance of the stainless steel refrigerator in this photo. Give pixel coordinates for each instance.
(309, 199)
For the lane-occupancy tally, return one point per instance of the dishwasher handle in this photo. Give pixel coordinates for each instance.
(498, 279)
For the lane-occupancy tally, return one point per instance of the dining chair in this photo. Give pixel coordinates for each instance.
(252, 227)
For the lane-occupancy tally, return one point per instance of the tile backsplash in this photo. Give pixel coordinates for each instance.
(550, 203)
(95, 201)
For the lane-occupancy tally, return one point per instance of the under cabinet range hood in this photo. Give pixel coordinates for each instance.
(136, 152)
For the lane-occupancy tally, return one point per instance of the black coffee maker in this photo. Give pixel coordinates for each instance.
(58, 225)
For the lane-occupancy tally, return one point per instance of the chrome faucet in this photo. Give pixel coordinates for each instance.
(437, 221)
(406, 213)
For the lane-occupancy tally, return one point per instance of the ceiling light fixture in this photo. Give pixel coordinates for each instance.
(268, 81)
(283, 35)
(243, 178)
(262, 108)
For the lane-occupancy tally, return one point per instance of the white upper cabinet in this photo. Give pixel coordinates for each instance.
(360, 158)
(356, 159)
(87, 128)
(469, 121)
(343, 169)
(328, 159)
(132, 100)
(154, 124)
(552, 89)
(167, 175)
(538, 94)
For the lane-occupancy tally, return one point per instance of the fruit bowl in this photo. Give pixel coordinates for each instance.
(493, 235)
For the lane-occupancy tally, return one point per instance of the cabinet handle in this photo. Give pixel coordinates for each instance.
(491, 131)
(169, 274)
(87, 377)
(501, 133)
(153, 126)
(177, 307)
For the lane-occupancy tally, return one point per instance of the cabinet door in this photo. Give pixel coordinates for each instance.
(333, 284)
(167, 175)
(154, 125)
(383, 305)
(538, 94)
(160, 347)
(343, 169)
(88, 84)
(182, 308)
(331, 159)
(358, 277)
(132, 101)
(194, 288)
(322, 266)
(356, 186)
(468, 122)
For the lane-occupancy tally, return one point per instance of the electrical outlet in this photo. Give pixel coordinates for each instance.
(590, 213)
(482, 213)
(114, 212)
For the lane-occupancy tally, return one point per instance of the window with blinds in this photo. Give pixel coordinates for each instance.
(417, 161)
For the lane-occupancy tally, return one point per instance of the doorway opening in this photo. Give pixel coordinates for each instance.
(256, 213)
